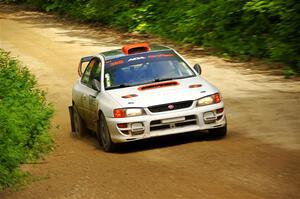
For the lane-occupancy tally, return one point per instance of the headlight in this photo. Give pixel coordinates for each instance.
(211, 99)
(134, 112)
(128, 112)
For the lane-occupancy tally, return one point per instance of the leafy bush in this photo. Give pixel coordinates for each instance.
(24, 120)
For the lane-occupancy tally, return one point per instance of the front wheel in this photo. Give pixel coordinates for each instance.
(104, 135)
(219, 132)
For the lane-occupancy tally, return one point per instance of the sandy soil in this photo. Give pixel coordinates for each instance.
(259, 159)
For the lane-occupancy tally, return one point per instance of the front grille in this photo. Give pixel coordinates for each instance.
(158, 125)
(170, 106)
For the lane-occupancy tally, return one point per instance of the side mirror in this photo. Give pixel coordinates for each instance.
(96, 85)
(83, 64)
(197, 67)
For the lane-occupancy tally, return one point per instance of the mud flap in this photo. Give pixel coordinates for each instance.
(99, 139)
(72, 118)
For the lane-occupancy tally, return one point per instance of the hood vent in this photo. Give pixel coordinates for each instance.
(158, 85)
(129, 96)
(195, 86)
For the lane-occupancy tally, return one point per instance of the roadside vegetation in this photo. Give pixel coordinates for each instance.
(245, 28)
(24, 121)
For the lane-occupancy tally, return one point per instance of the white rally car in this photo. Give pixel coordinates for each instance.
(143, 91)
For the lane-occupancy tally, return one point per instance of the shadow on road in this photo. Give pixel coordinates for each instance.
(165, 141)
(155, 143)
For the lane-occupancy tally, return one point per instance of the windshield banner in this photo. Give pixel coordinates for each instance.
(141, 58)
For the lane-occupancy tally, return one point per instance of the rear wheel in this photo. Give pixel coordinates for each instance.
(79, 126)
(219, 132)
(103, 135)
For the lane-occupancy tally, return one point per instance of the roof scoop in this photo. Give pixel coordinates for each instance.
(135, 48)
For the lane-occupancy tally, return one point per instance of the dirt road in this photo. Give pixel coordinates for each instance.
(259, 159)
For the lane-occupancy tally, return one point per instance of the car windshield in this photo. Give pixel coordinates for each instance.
(145, 68)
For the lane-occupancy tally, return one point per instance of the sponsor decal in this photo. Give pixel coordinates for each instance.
(107, 79)
(136, 58)
(161, 55)
(117, 63)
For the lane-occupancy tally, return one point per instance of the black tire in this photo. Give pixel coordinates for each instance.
(219, 132)
(80, 129)
(103, 135)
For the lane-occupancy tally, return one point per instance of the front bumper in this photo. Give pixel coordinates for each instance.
(167, 123)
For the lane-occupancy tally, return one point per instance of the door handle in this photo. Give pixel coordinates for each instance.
(93, 96)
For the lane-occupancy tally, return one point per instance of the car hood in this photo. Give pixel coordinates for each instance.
(181, 91)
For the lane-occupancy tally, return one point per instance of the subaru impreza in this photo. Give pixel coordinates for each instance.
(142, 91)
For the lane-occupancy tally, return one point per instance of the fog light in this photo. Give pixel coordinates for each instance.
(220, 110)
(137, 128)
(209, 117)
(126, 132)
(122, 125)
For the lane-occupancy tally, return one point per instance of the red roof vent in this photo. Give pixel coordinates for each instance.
(135, 48)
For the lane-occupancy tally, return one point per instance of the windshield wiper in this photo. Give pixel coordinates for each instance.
(118, 86)
(163, 79)
(170, 78)
(155, 80)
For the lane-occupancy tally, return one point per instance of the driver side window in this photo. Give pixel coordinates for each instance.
(91, 72)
